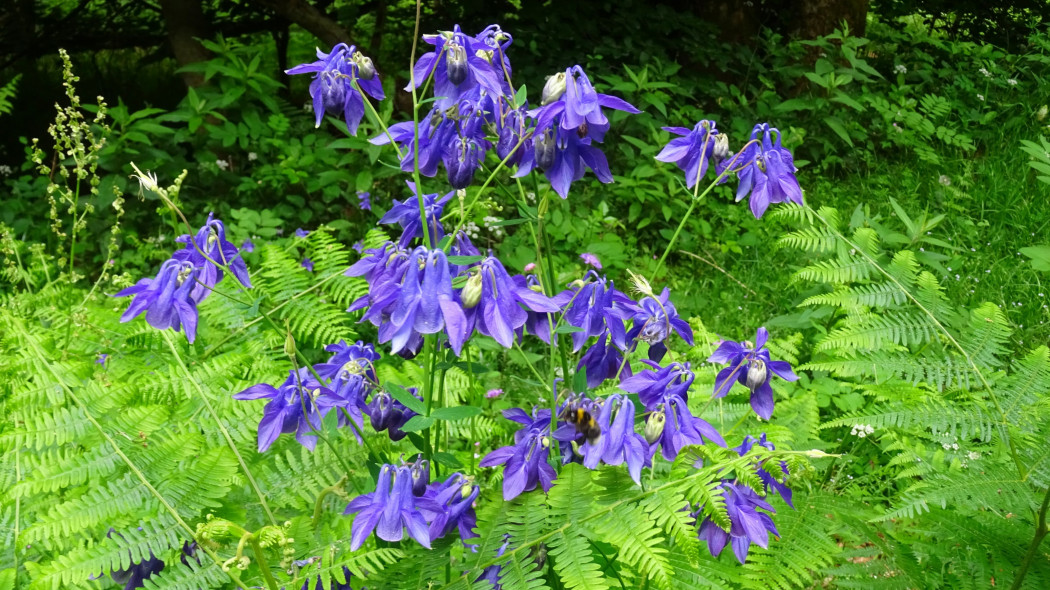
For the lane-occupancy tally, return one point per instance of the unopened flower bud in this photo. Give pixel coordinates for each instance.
(721, 150)
(471, 293)
(530, 267)
(553, 89)
(1041, 113)
(654, 427)
(365, 69)
(756, 374)
(457, 63)
(289, 344)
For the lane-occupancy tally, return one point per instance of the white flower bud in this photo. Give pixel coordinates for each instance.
(471, 293)
(553, 89)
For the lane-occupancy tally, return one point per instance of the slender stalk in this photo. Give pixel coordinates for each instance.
(222, 427)
(1037, 539)
(319, 505)
(264, 567)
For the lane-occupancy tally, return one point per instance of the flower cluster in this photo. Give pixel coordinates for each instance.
(405, 500)
(170, 299)
(473, 95)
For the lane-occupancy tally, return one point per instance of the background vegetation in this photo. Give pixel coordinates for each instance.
(913, 293)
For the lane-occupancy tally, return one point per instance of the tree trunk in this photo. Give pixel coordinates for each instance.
(815, 18)
(304, 14)
(185, 22)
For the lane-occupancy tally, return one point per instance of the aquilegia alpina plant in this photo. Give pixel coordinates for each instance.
(604, 384)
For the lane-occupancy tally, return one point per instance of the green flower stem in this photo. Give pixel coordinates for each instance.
(1033, 549)
(335, 488)
(260, 558)
(222, 427)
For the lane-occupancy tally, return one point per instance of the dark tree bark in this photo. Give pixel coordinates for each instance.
(304, 14)
(185, 22)
(815, 18)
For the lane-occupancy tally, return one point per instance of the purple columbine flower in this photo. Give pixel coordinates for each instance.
(526, 460)
(512, 125)
(695, 151)
(497, 41)
(603, 361)
(101, 358)
(301, 233)
(766, 170)
(496, 305)
(386, 413)
(206, 251)
(748, 524)
(752, 368)
(352, 375)
(449, 505)
(435, 134)
(653, 321)
(134, 575)
(333, 88)
(591, 260)
(578, 107)
(563, 156)
(664, 392)
(538, 323)
(364, 201)
(493, 393)
(248, 246)
(596, 307)
(466, 150)
(388, 511)
(298, 406)
(308, 264)
(359, 246)
(459, 70)
(492, 572)
(768, 479)
(167, 299)
(420, 302)
(406, 214)
(617, 442)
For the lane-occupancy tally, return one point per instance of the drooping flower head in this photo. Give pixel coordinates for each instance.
(526, 460)
(694, 152)
(448, 505)
(596, 307)
(364, 201)
(333, 87)
(602, 361)
(563, 157)
(653, 321)
(421, 303)
(577, 106)
(766, 170)
(770, 480)
(607, 434)
(387, 413)
(496, 305)
(389, 510)
(538, 323)
(352, 375)
(406, 214)
(298, 406)
(750, 366)
(461, 68)
(512, 128)
(749, 524)
(498, 41)
(209, 250)
(167, 299)
(671, 426)
(466, 150)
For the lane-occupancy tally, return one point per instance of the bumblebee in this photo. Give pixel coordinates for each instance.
(580, 417)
